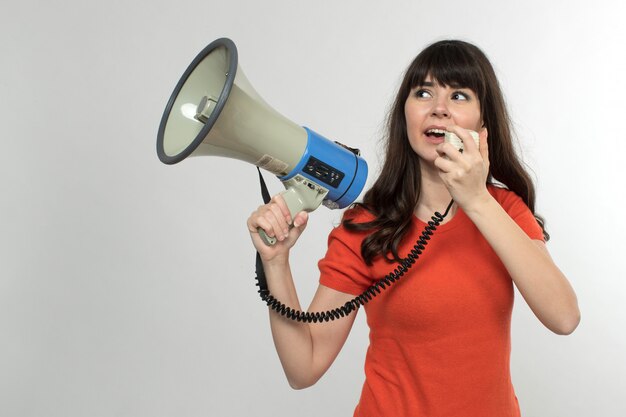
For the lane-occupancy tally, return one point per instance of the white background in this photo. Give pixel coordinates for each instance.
(126, 285)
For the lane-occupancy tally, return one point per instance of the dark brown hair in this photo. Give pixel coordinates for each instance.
(394, 196)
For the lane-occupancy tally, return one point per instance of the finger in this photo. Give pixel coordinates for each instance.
(300, 221)
(265, 218)
(279, 220)
(444, 164)
(280, 201)
(257, 222)
(272, 221)
(253, 219)
(447, 150)
(484, 144)
(464, 134)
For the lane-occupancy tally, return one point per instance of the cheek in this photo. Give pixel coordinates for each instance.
(478, 124)
(470, 120)
(414, 116)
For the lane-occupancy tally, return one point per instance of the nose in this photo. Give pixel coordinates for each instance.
(440, 107)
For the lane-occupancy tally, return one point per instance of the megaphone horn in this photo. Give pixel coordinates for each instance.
(214, 111)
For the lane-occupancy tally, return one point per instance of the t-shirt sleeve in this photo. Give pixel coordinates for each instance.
(342, 268)
(520, 213)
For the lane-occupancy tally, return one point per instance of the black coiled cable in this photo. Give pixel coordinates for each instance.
(359, 300)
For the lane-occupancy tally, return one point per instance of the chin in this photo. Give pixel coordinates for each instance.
(427, 158)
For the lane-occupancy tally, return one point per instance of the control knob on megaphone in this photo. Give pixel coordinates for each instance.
(214, 111)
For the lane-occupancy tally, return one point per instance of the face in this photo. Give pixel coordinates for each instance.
(432, 107)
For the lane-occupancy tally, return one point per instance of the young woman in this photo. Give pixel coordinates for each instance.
(440, 337)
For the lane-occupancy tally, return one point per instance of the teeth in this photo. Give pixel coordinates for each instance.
(437, 131)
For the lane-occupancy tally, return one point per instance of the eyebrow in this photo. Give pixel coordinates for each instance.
(432, 84)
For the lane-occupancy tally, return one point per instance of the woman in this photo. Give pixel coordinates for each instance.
(440, 338)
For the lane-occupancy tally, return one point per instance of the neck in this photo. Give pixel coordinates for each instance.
(434, 195)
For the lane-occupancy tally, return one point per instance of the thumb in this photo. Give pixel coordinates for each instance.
(301, 220)
(299, 224)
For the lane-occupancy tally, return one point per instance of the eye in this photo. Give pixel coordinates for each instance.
(422, 93)
(461, 96)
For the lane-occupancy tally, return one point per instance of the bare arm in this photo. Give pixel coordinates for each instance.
(306, 350)
(544, 287)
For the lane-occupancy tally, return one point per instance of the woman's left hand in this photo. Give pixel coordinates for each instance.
(465, 174)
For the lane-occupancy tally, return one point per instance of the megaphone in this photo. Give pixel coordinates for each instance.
(214, 111)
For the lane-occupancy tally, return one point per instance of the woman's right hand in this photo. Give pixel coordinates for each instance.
(274, 218)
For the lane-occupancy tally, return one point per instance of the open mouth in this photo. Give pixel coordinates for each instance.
(435, 133)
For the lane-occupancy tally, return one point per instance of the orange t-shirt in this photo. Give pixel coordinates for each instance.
(440, 337)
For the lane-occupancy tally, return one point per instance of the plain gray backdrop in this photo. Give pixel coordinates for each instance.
(126, 286)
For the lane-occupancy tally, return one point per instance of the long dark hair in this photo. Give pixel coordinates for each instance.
(394, 196)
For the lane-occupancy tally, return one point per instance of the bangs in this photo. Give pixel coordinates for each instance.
(448, 64)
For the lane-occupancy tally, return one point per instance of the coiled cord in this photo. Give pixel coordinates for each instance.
(363, 298)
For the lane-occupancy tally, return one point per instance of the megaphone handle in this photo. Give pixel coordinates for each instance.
(299, 196)
(295, 205)
(268, 240)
